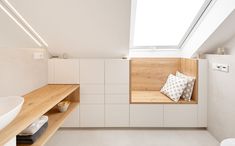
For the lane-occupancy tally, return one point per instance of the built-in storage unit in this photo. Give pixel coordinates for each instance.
(92, 92)
(146, 115)
(117, 93)
(37, 103)
(63, 71)
(150, 108)
(123, 93)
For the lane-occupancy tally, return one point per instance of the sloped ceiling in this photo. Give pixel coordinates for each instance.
(223, 34)
(80, 28)
(11, 35)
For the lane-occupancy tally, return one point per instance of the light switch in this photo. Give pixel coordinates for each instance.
(38, 55)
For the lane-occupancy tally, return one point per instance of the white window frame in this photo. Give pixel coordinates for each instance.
(183, 40)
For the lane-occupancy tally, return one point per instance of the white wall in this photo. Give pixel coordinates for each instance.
(221, 102)
(80, 28)
(216, 14)
(20, 73)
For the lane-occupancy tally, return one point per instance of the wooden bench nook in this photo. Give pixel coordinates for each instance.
(148, 75)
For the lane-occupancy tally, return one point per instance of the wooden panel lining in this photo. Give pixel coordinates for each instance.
(150, 74)
(190, 67)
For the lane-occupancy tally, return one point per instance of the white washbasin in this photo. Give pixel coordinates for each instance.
(9, 108)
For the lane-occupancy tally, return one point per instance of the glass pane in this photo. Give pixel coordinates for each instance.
(163, 22)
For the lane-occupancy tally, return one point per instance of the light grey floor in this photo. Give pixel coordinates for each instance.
(132, 137)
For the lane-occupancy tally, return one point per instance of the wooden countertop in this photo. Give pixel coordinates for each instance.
(36, 104)
(154, 97)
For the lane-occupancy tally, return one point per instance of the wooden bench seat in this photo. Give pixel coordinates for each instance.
(154, 97)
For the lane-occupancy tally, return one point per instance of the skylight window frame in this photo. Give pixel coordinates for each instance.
(189, 31)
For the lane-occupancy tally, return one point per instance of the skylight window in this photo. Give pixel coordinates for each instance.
(164, 23)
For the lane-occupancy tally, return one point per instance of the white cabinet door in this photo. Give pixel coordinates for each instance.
(122, 98)
(91, 71)
(117, 71)
(116, 88)
(92, 99)
(72, 120)
(63, 71)
(91, 89)
(92, 115)
(117, 115)
(180, 115)
(146, 115)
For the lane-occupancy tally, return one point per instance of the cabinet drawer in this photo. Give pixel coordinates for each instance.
(180, 115)
(66, 71)
(146, 115)
(117, 71)
(117, 115)
(91, 99)
(116, 88)
(72, 120)
(92, 89)
(122, 98)
(92, 115)
(91, 71)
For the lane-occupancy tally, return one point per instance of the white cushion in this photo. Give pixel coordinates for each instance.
(174, 87)
(187, 94)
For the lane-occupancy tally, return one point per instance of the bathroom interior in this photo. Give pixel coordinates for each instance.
(117, 73)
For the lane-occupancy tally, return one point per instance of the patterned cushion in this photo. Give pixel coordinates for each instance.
(174, 87)
(187, 94)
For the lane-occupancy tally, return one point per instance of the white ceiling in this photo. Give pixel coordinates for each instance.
(80, 28)
(223, 34)
(11, 35)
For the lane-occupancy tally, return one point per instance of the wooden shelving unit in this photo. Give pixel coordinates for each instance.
(37, 103)
(55, 121)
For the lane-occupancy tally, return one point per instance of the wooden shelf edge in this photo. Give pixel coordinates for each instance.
(56, 119)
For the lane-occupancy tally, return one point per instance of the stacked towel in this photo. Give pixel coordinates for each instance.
(30, 139)
(33, 131)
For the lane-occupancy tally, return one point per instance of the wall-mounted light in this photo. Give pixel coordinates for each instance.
(22, 23)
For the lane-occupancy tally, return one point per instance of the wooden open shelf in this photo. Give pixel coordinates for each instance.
(37, 103)
(154, 97)
(55, 120)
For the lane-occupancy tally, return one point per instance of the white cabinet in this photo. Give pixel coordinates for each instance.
(117, 115)
(117, 93)
(92, 99)
(92, 92)
(180, 115)
(91, 71)
(91, 89)
(117, 71)
(63, 71)
(117, 99)
(146, 115)
(73, 119)
(92, 115)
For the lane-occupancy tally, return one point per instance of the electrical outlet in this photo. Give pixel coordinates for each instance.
(220, 67)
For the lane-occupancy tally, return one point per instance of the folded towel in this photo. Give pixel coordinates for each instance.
(35, 126)
(30, 139)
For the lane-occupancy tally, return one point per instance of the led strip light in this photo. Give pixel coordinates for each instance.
(22, 23)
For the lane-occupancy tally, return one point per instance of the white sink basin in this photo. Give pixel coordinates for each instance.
(9, 108)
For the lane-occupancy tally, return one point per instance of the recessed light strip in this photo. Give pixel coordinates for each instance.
(25, 22)
(20, 25)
